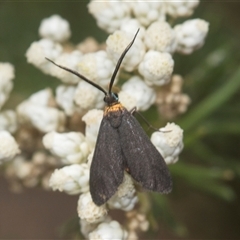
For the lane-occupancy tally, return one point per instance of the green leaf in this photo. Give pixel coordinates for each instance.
(211, 103)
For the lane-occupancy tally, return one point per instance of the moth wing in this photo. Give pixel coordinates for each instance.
(146, 165)
(106, 171)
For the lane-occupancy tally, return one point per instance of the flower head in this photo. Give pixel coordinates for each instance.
(55, 28)
(71, 147)
(169, 142)
(112, 230)
(156, 68)
(8, 146)
(88, 211)
(73, 179)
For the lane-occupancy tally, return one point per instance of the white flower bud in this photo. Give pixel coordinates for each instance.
(160, 37)
(109, 14)
(181, 8)
(86, 227)
(73, 179)
(106, 231)
(6, 85)
(88, 211)
(65, 99)
(6, 72)
(169, 142)
(8, 147)
(97, 67)
(145, 96)
(21, 168)
(156, 68)
(117, 43)
(37, 52)
(37, 111)
(92, 120)
(127, 99)
(43, 97)
(125, 198)
(55, 28)
(70, 147)
(8, 121)
(147, 12)
(69, 60)
(44, 118)
(191, 35)
(88, 97)
(131, 25)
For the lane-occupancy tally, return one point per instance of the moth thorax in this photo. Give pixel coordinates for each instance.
(111, 99)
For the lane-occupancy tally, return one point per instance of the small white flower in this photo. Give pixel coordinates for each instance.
(21, 167)
(8, 121)
(44, 118)
(8, 147)
(147, 12)
(71, 147)
(73, 179)
(92, 120)
(55, 28)
(65, 99)
(6, 85)
(127, 99)
(43, 97)
(116, 44)
(6, 72)
(156, 68)
(97, 67)
(131, 25)
(109, 14)
(37, 52)
(137, 221)
(125, 198)
(144, 95)
(88, 211)
(107, 231)
(169, 142)
(160, 37)
(69, 60)
(86, 227)
(88, 97)
(181, 8)
(191, 35)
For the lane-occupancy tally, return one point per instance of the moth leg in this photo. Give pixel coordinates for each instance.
(134, 110)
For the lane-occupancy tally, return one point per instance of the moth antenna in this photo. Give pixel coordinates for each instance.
(78, 75)
(120, 61)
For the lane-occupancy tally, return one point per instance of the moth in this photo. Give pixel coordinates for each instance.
(122, 145)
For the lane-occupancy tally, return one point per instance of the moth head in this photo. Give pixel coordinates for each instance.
(111, 98)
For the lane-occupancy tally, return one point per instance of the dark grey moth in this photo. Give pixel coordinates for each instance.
(122, 145)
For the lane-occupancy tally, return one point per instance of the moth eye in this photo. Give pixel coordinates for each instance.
(115, 95)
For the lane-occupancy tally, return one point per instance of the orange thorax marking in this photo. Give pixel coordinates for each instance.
(114, 108)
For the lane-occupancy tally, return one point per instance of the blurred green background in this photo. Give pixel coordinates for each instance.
(205, 200)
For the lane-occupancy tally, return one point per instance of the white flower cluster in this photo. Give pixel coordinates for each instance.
(71, 147)
(8, 121)
(112, 230)
(169, 142)
(8, 146)
(39, 111)
(170, 100)
(6, 84)
(31, 172)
